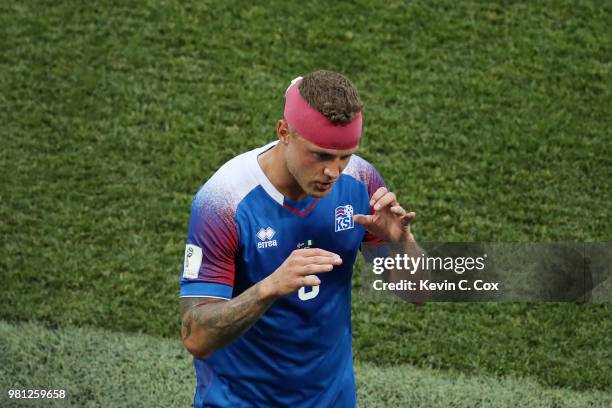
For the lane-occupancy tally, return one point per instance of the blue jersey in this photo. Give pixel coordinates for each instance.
(299, 353)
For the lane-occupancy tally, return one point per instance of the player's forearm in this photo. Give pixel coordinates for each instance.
(209, 325)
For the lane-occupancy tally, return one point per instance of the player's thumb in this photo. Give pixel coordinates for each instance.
(362, 219)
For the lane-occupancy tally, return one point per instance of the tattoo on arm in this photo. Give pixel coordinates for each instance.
(220, 320)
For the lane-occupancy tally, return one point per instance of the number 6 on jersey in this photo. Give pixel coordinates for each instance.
(311, 294)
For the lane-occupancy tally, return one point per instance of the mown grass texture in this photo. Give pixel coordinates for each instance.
(103, 368)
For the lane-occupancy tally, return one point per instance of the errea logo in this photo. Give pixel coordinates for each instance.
(265, 236)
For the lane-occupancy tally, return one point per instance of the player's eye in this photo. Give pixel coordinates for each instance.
(322, 156)
(329, 157)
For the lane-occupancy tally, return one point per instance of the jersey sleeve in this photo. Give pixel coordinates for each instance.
(211, 247)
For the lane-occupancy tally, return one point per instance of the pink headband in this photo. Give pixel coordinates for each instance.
(312, 125)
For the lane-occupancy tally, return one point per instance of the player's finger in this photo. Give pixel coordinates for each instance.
(319, 260)
(311, 280)
(377, 194)
(323, 260)
(397, 209)
(363, 219)
(408, 218)
(308, 252)
(314, 268)
(388, 199)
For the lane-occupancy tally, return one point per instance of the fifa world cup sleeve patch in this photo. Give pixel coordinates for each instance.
(193, 261)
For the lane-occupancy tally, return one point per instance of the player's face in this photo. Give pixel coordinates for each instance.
(315, 169)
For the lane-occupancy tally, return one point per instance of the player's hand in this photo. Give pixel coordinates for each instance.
(299, 270)
(390, 221)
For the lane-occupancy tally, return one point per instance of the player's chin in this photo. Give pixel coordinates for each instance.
(320, 193)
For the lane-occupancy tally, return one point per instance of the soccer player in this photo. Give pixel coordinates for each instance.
(273, 235)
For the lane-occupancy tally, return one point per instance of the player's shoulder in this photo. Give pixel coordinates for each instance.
(363, 171)
(228, 186)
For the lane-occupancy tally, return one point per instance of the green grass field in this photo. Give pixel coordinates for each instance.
(491, 120)
(77, 360)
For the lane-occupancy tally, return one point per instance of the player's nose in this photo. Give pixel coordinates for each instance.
(332, 172)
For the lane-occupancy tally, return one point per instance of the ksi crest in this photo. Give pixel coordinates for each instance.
(344, 217)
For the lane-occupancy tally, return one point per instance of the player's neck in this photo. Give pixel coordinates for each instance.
(274, 166)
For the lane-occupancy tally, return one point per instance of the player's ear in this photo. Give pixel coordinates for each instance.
(282, 130)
